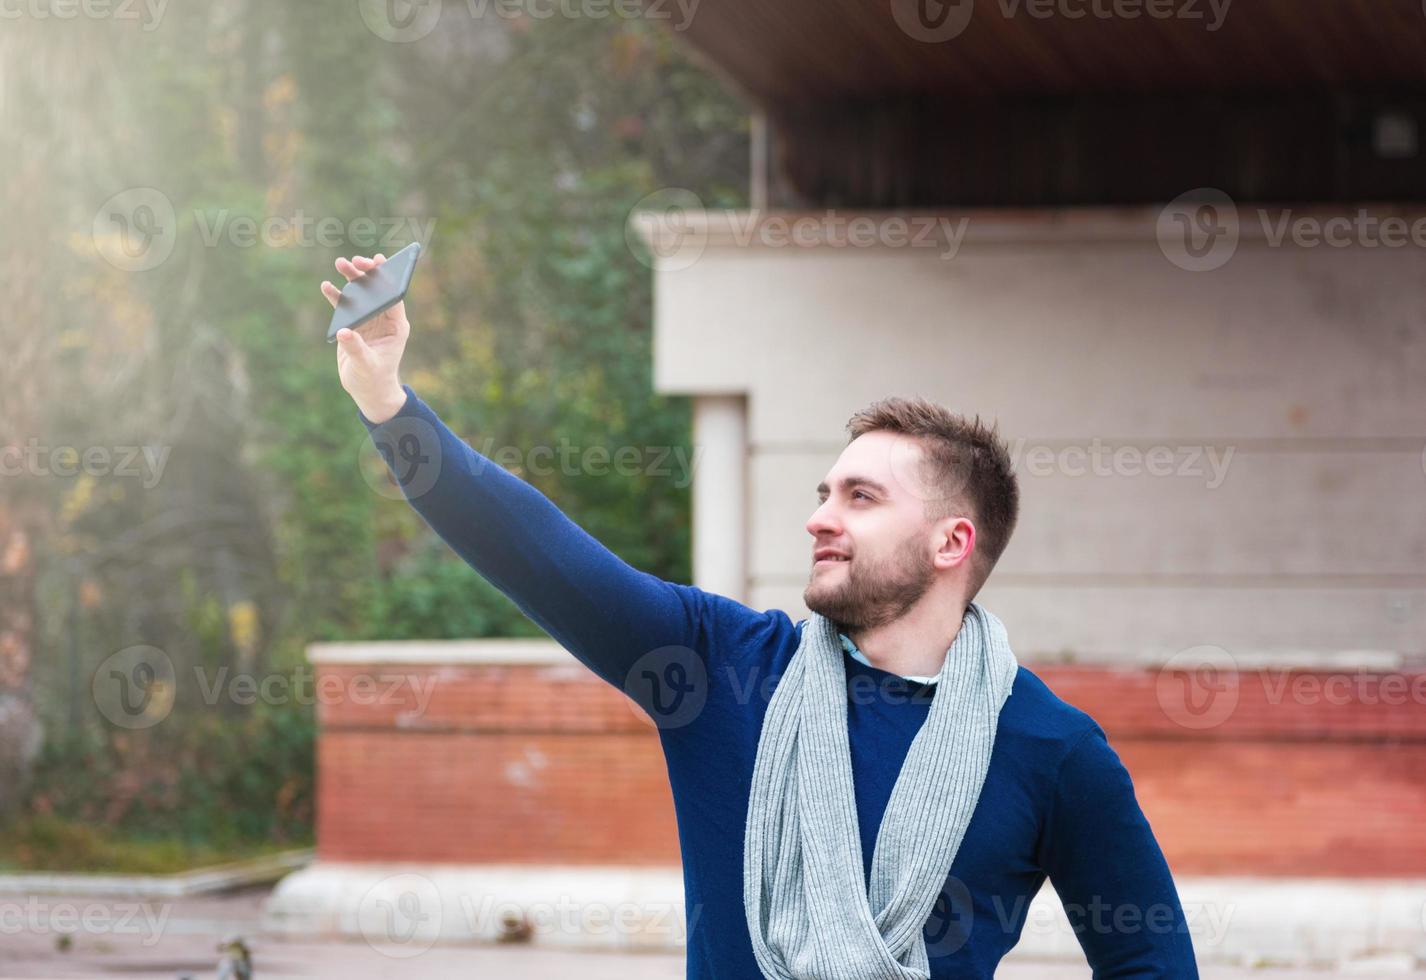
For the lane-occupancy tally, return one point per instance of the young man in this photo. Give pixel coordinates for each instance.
(875, 792)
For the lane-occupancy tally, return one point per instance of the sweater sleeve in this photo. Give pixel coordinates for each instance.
(607, 613)
(1109, 873)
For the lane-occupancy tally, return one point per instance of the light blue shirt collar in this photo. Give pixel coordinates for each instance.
(851, 648)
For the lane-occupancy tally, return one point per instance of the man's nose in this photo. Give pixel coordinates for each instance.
(823, 520)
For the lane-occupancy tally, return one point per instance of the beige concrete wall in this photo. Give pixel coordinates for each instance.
(1281, 399)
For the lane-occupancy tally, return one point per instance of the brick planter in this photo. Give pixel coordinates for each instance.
(514, 753)
(463, 778)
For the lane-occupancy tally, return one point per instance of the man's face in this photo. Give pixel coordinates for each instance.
(873, 547)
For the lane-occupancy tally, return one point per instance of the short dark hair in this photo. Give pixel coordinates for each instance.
(966, 459)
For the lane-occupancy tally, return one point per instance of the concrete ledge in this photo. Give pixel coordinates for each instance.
(405, 909)
(479, 652)
(1366, 661)
(830, 227)
(201, 881)
(544, 652)
(1262, 922)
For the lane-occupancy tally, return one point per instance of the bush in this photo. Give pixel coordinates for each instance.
(199, 785)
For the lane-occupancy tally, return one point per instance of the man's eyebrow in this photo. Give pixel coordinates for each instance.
(851, 482)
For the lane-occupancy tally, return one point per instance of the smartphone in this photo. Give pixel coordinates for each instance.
(375, 291)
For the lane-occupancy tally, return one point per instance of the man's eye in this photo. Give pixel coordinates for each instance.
(861, 493)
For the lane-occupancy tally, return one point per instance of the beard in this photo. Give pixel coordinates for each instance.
(873, 594)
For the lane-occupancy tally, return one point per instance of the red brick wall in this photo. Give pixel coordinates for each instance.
(545, 765)
(507, 764)
(1299, 773)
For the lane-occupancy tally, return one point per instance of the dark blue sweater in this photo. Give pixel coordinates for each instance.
(1056, 802)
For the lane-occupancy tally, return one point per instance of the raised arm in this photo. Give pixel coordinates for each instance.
(1109, 873)
(607, 613)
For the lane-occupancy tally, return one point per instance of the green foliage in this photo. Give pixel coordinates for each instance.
(215, 780)
(524, 145)
(433, 596)
(49, 843)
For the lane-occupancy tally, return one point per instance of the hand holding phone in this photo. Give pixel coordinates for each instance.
(368, 357)
(377, 289)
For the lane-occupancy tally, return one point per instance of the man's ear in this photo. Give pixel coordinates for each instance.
(955, 542)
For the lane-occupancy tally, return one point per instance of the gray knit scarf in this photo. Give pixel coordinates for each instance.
(810, 911)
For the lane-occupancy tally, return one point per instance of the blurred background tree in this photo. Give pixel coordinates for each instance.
(521, 146)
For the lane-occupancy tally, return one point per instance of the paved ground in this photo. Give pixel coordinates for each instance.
(165, 940)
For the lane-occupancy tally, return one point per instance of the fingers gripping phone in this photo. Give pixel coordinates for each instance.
(375, 291)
